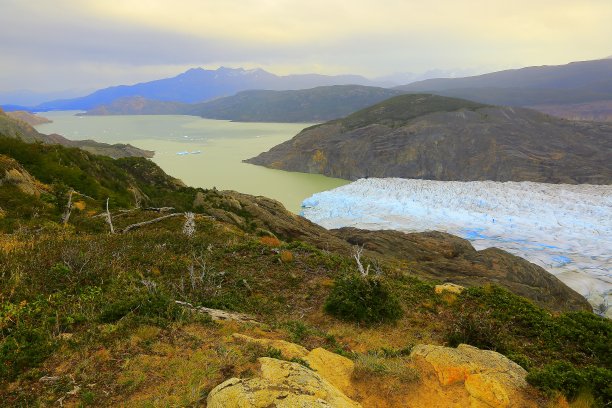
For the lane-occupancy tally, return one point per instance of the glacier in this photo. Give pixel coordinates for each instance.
(566, 229)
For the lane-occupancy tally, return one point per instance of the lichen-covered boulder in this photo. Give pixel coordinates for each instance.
(280, 384)
(335, 368)
(486, 378)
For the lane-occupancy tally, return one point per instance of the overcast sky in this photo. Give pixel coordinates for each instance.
(49, 45)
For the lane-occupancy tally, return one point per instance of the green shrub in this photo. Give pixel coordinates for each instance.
(477, 331)
(564, 377)
(22, 349)
(156, 306)
(364, 300)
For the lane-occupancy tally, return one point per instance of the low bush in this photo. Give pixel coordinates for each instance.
(155, 306)
(22, 349)
(477, 331)
(564, 377)
(363, 300)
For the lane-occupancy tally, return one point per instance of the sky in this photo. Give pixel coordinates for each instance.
(53, 45)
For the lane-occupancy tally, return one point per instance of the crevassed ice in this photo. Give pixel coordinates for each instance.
(567, 229)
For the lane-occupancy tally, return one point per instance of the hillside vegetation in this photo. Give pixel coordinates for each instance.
(438, 138)
(89, 317)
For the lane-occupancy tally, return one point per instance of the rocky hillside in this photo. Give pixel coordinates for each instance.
(598, 111)
(29, 118)
(19, 129)
(439, 138)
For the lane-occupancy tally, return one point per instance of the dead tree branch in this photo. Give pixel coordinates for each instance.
(153, 221)
(68, 211)
(357, 251)
(109, 218)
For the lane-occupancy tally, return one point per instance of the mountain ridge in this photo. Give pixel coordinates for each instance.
(308, 105)
(580, 82)
(199, 84)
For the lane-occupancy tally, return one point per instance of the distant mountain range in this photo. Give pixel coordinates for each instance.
(537, 87)
(565, 90)
(198, 85)
(308, 105)
(438, 138)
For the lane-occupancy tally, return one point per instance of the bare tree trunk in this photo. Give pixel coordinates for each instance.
(141, 224)
(109, 218)
(68, 210)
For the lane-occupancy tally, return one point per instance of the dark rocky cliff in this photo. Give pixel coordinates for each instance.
(438, 138)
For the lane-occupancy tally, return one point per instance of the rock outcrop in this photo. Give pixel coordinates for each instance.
(11, 173)
(438, 138)
(441, 256)
(476, 378)
(280, 384)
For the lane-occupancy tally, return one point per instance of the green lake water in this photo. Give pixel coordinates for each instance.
(222, 146)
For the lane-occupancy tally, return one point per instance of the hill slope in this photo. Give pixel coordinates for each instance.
(575, 83)
(17, 129)
(28, 118)
(438, 138)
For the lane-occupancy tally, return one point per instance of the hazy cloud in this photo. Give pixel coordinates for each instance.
(85, 43)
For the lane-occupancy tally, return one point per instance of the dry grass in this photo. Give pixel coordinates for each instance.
(286, 256)
(272, 242)
(377, 365)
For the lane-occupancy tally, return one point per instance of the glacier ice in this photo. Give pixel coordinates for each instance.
(566, 229)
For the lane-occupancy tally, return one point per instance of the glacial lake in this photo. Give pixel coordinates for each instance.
(215, 149)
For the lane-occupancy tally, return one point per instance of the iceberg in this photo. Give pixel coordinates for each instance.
(566, 229)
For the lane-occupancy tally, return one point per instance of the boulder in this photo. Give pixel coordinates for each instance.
(280, 384)
(333, 367)
(485, 378)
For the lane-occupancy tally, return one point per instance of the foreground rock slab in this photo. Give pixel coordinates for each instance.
(281, 384)
(470, 377)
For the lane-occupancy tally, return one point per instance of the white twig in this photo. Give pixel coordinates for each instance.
(141, 224)
(68, 210)
(357, 251)
(109, 218)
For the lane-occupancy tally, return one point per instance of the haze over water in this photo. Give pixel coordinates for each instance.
(222, 146)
